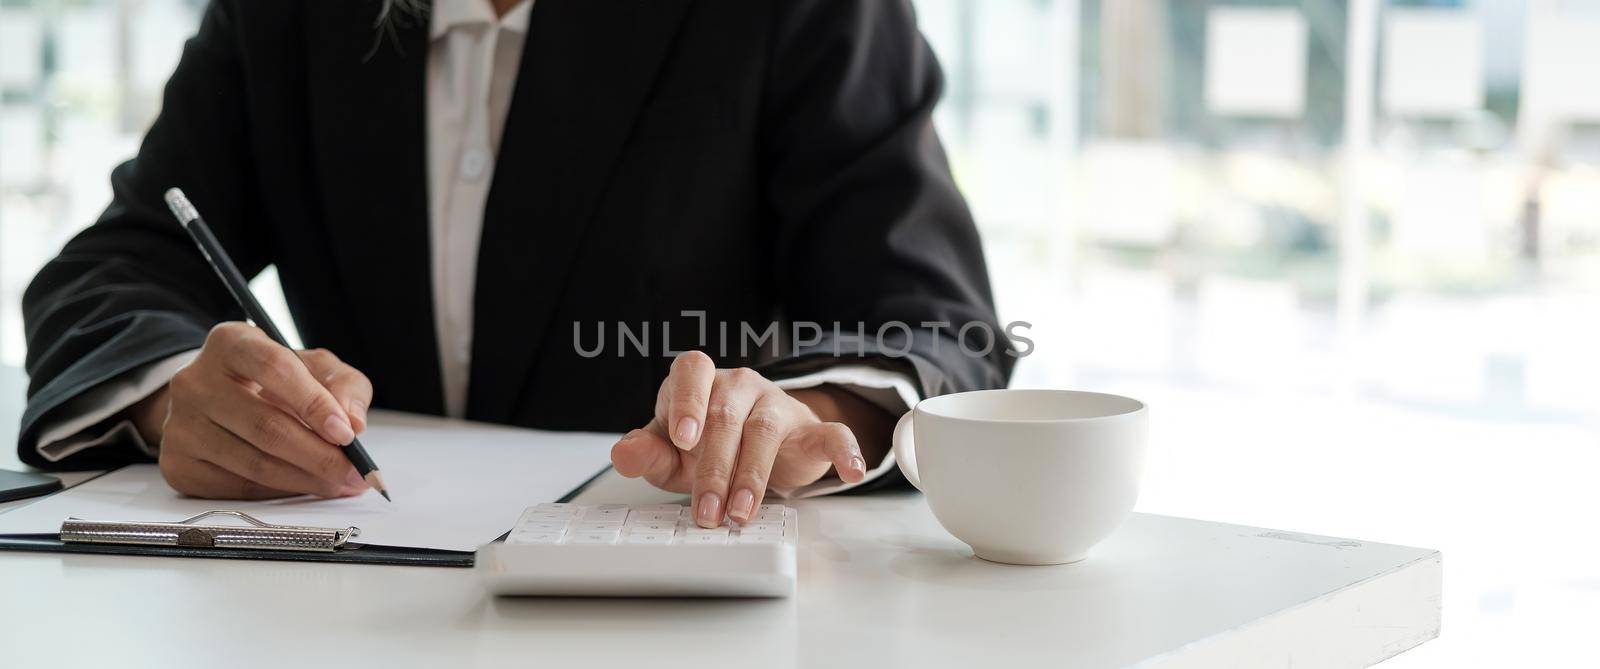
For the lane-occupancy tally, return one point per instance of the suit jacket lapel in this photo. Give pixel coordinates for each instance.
(587, 67)
(368, 123)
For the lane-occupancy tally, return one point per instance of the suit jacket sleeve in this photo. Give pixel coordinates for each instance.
(872, 228)
(132, 288)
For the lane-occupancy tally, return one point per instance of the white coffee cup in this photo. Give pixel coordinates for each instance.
(1026, 476)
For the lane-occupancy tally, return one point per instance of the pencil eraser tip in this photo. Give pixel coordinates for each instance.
(180, 206)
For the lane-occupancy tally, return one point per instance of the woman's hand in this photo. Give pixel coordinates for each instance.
(726, 435)
(248, 420)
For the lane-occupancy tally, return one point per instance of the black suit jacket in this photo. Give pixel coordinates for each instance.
(751, 159)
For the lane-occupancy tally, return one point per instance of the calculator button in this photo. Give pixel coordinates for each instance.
(761, 528)
(594, 538)
(543, 526)
(557, 523)
(534, 538)
(606, 512)
(653, 525)
(596, 526)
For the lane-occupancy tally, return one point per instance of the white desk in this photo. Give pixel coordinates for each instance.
(880, 585)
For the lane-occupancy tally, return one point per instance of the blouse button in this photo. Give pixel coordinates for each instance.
(474, 164)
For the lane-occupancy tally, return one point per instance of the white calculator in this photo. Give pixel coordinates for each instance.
(651, 550)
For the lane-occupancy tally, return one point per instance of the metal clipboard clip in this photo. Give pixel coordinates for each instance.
(188, 533)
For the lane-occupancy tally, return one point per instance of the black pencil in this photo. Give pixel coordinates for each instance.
(214, 253)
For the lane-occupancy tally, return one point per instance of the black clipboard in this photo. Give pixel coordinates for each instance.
(354, 553)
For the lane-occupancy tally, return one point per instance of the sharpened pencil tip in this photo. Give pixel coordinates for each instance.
(375, 480)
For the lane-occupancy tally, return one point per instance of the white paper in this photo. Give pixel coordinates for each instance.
(456, 486)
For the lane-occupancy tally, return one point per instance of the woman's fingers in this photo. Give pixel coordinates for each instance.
(820, 444)
(198, 478)
(251, 419)
(764, 431)
(266, 429)
(265, 469)
(685, 395)
(248, 355)
(728, 436)
(733, 396)
(351, 388)
(646, 453)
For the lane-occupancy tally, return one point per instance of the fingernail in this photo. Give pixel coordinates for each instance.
(858, 464)
(743, 501)
(358, 409)
(709, 512)
(354, 480)
(338, 429)
(688, 432)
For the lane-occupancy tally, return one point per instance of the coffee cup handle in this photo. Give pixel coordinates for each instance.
(905, 449)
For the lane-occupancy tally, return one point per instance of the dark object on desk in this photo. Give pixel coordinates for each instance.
(356, 553)
(189, 217)
(22, 485)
